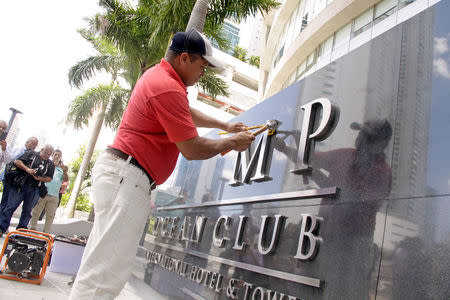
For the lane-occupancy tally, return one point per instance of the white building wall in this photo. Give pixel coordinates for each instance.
(305, 35)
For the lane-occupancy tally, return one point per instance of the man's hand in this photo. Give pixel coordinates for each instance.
(242, 141)
(235, 127)
(3, 145)
(30, 171)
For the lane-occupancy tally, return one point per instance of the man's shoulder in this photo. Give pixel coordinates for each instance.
(27, 155)
(17, 151)
(159, 81)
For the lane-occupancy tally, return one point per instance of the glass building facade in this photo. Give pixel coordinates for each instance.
(231, 33)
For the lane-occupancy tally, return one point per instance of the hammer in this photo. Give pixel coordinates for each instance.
(270, 125)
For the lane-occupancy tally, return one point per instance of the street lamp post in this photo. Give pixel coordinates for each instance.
(11, 120)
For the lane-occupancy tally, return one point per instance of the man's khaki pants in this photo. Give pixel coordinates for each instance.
(121, 197)
(50, 204)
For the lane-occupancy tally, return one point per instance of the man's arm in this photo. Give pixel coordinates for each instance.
(30, 171)
(43, 178)
(48, 176)
(202, 120)
(22, 166)
(203, 148)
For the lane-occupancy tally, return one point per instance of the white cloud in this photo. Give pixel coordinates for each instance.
(440, 45)
(441, 67)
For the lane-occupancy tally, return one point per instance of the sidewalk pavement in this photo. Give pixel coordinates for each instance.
(57, 286)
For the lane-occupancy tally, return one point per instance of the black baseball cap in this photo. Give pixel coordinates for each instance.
(376, 129)
(194, 42)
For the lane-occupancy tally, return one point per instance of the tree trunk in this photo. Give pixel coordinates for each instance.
(198, 15)
(69, 211)
(91, 216)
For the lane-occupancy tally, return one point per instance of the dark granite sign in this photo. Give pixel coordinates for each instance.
(348, 198)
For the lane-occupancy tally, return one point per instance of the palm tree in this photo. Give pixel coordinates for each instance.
(254, 60)
(140, 31)
(207, 12)
(106, 101)
(240, 53)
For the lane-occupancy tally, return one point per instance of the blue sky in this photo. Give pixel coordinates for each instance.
(439, 140)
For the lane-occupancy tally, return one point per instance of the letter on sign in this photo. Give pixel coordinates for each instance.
(246, 164)
(307, 137)
(308, 243)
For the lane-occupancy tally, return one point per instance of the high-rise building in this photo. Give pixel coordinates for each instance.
(255, 39)
(302, 36)
(230, 31)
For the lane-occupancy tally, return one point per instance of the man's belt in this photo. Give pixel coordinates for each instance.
(133, 161)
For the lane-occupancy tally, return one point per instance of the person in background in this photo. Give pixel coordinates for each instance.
(50, 202)
(30, 144)
(36, 168)
(157, 125)
(4, 155)
(62, 190)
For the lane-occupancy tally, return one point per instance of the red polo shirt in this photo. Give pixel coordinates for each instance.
(156, 118)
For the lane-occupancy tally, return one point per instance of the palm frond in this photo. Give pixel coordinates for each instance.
(116, 106)
(214, 33)
(219, 10)
(102, 45)
(175, 11)
(213, 85)
(83, 107)
(86, 69)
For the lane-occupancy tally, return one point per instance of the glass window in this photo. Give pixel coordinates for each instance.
(311, 60)
(342, 36)
(278, 57)
(284, 34)
(301, 69)
(308, 13)
(384, 9)
(291, 78)
(363, 22)
(297, 21)
(404, 3)
(320, 5)
(309, 7)
(304, 22)
(325, 48)
(320, 50)
(301, 10)
(290, 28)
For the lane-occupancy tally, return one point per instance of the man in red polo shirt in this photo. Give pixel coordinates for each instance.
(157, 125)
